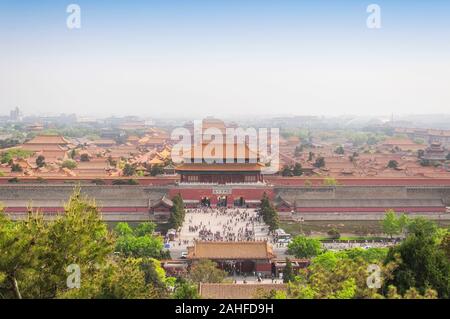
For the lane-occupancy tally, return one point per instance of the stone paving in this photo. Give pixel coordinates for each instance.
(232, 224)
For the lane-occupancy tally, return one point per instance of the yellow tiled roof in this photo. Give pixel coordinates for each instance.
(231, 250)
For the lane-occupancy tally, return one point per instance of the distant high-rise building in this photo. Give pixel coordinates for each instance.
(15, 115)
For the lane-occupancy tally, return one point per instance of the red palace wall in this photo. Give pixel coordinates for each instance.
(263, 267)
(199, 193)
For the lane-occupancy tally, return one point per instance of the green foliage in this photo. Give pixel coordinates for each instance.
(18, 253)
(297, 170)
(206, 271)
(334, 233)
(70, 164)
(287, 171)
(422, 263)
(16, 168)
(330, 181)
(72, 130)
(423, 228)
(185, 290)
(304, 247)
(139, 242)
(111, 162)
(142, 246)
(320, 162)
(344, 275)
(343, 278)
(288, 273)
(392, 164)
(7, 156)
(40, 252)
(84, 158)
(262, 293)
(146, 228)
(445, 244)
(40, 161)
(425, 162)
(118, 279)
(123, 229)
(269, 213)
(35, 255)
(302, 133)
(361, 138)
(339, 150)
(9, 142)
(129, 170)
(327, 259)
(370, 255)
(156, 170)
(154, 273)
(177, 212)
(393, 225)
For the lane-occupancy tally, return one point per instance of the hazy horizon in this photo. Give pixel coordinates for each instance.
(226, 59)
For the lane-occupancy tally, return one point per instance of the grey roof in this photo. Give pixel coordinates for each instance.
(56, 195)
(362, 196)
(370, 203)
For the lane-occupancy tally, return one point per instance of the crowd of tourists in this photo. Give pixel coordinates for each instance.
(222, 224)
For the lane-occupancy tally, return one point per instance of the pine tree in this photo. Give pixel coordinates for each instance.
(288, 273)
(177, 212)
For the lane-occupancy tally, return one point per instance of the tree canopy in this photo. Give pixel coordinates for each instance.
(177, 212)
(36, 256)
(139, 242)
(269, 213)
(304, 247)
(422, 261)
(393, 224)
(206, 271)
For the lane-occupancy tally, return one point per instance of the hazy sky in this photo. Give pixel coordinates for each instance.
(225, 57)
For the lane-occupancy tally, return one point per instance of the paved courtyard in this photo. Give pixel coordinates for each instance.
(231, 224)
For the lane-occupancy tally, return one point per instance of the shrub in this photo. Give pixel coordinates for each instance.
(70, 164)
(334, 233)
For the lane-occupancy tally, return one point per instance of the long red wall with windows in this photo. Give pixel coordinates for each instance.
(199, 193)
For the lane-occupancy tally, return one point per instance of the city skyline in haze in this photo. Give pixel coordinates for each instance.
(226, 58)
